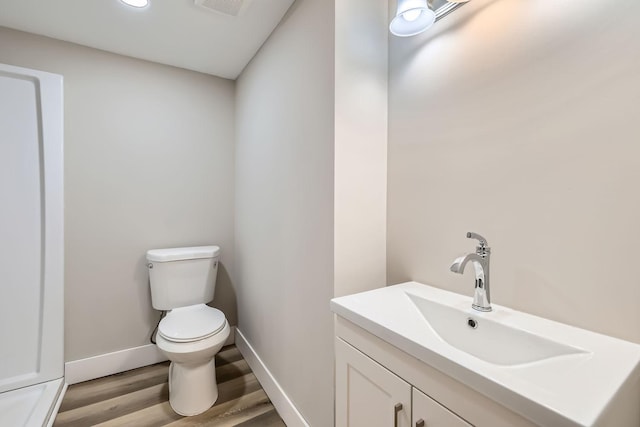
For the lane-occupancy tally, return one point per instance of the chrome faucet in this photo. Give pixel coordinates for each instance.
(480, 261)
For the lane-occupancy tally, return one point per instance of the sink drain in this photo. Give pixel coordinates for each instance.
(473, 323)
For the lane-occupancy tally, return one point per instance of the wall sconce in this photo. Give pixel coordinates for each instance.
(416, 16)
(412, 17)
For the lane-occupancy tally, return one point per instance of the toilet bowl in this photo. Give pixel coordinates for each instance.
(182, 281)
(191, 349)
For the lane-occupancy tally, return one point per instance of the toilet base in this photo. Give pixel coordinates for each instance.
(192, 373)
(192, 388)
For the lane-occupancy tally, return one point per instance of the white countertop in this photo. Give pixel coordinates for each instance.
(561, 391)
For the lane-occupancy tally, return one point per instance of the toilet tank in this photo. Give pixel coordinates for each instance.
(182, 276)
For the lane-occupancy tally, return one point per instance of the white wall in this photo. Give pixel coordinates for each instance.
(361, 45)
(519, 120)
(311, 187)
(284, 206)
(149, 162)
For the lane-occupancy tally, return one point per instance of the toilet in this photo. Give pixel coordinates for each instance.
(182, 281)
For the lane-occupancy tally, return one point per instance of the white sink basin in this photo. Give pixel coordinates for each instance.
(477, 334)
(551, 373)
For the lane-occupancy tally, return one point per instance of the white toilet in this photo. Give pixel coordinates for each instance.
(182, 281)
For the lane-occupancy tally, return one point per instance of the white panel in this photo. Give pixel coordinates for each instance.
(31, 227)
(367, 393)
(20, 227)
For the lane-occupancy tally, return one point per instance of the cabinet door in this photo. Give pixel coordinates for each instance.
(367, 394)
(429, 413)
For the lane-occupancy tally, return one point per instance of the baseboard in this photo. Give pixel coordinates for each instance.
(286, 409)
(102, 365)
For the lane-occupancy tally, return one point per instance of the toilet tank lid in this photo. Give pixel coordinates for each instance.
(178, 254)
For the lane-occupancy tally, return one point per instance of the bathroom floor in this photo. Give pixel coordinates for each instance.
(141, 398)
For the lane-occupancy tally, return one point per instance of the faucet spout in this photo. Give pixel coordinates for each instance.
(480, 261)
(460, 263)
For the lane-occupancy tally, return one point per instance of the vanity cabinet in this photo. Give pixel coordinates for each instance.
(369, 395)
(379, 385)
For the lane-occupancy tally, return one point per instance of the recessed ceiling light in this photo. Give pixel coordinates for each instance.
(136, 3)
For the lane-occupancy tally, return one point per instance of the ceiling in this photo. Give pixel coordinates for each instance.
(172, 32)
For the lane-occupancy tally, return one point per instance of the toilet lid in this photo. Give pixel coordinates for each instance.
(191, 323)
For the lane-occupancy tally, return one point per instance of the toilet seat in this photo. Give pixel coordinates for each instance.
(192, 323)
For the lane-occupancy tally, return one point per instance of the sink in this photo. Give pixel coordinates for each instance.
(477, 334)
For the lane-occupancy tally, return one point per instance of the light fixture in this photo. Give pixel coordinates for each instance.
(412, 17)
(136, 3)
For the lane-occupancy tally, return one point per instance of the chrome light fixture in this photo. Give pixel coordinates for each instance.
(412, 17)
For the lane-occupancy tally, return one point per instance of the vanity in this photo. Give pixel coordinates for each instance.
(415, 355)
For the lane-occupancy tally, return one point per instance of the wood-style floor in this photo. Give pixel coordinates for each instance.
(141, 398)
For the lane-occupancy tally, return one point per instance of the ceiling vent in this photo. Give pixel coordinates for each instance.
(225, 7)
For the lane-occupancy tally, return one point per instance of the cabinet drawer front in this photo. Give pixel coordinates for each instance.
(432, 413)
(367, 394)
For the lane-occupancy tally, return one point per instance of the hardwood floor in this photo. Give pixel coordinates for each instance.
(140, 398)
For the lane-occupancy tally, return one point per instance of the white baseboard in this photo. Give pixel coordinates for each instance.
(286, 409)
(102, 365)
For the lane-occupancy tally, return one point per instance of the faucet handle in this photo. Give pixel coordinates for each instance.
(483, 242)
